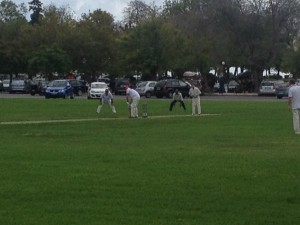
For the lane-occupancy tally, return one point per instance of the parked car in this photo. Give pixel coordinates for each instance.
(38, 87)
(59, 89)
(96, 89)
(146, 88)
(220, 85)
(22, 86)
(79, 86)
(168, 86)
(6, 85)
(216, 87)
(105, 80)
(233, 86)
(120, 86)
(268, 87)
(282, 91)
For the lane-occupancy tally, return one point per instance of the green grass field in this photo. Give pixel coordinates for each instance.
(240, 167)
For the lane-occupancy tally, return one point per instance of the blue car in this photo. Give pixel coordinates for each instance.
(59, 89)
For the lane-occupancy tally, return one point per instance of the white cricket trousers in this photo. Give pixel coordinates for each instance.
(196, 107)
(296, 120)
(134, 107)
(113, 109)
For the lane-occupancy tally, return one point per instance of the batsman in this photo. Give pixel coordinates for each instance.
(132, 98)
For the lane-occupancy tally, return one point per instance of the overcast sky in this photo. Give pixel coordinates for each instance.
(114, 7)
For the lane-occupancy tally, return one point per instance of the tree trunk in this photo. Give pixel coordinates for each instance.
(257, 76)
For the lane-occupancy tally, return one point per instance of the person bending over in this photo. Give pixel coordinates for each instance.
(106, 98)
(177, 97)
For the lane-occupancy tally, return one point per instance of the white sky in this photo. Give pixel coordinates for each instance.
(114, 7)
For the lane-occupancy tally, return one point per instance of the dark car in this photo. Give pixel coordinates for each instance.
(38, 87)
(120, 86)
(79, 86)
(282, 91)
(167, 88)
(59, 89)
(21, 86)
(1, 86)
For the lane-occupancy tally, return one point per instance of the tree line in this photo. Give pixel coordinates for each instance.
(181, 35)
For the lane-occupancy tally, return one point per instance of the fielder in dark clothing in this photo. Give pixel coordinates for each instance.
(177, 97)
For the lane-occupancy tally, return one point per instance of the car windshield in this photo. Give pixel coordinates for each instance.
(58, 83)
(73, 82)
(141, 84)
(17, 82)
(285, 85)
(267, 84)
(98, 85)
(161, 83)
(182, 84)
(233, 82)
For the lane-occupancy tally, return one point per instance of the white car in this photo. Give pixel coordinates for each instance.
(96, 89)
(146, 88)
(6, 85)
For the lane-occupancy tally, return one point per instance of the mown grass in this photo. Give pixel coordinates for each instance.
(239, 167)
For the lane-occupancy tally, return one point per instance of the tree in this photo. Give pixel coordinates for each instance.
(36, 6)
(10, 11)
(97, 42)
(275, 24)
(138, 11)
(194, 18)
(58, 15)
(223, 30)
(12, 58)
(153, 47)
(11, 50)
(49, 59)
(291, 60)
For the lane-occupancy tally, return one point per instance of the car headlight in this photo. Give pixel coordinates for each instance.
(61, 91)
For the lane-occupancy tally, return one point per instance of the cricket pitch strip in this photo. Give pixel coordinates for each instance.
(101, 119)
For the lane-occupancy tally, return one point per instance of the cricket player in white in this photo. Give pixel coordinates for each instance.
(195, 95)
(294, 104)
(132, 98)
(106, 98)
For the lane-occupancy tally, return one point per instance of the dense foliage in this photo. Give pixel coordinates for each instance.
(182, 35)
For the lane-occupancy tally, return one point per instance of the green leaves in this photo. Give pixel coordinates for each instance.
(49, 59)
(154, 47)
(10, 11)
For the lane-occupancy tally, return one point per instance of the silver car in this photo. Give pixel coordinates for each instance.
(6, 85)
(146, 88)
(268, 87)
